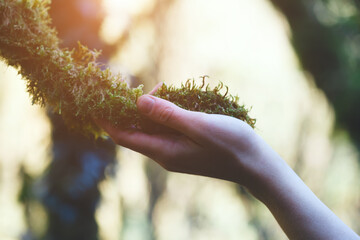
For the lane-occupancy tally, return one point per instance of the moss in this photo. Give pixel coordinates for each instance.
(71, 82)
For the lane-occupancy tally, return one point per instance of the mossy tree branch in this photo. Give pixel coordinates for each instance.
(72, 83)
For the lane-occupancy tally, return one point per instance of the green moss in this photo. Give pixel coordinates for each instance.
(71, 82)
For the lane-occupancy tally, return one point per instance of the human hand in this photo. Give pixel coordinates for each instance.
(203, 144)
(224, 147)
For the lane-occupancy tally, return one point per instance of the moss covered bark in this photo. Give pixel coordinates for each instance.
(71, 82)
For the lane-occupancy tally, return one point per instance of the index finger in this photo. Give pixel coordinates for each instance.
(152, 145)
(168, 114)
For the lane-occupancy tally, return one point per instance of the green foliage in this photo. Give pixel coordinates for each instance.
(71, 82)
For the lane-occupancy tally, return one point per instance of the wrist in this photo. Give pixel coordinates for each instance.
(261, 169)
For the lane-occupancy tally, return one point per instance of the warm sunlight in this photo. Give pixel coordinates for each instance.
(248, 46)
(119, 14)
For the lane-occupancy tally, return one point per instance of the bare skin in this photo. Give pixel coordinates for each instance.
(226, 148)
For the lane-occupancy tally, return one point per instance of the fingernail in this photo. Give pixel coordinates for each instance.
(145, 104)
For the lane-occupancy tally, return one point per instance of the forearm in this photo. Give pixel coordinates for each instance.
(223, 147)
(296, 208)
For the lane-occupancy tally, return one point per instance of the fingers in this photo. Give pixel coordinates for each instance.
(170, 115)
(153, 146)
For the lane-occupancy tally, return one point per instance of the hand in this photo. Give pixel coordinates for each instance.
(227, 148)
(204, 144)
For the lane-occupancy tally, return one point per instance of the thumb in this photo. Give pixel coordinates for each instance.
(168, 114)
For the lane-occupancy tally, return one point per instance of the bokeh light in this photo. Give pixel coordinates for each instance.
(246, 45)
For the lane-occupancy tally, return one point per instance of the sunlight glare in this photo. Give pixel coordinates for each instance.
(119, 14)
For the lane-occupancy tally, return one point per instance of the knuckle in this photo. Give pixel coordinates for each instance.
(166, 114)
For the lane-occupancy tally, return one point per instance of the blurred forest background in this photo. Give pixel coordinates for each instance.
(297, 63)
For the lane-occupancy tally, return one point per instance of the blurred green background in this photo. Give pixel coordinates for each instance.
(297, 63)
